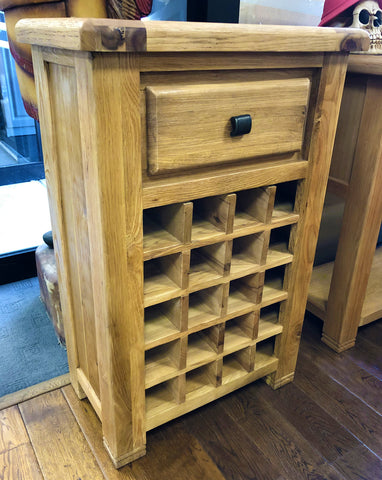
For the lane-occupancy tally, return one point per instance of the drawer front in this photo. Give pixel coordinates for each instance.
(189, 126)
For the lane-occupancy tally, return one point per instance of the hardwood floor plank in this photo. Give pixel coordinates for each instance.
(342, 369)
(367, 355)
(235, 453)
(92, 431)
(33, 391)
(61, 449)
(347, 409)
(319, 428)
(175, 454)
(372, 332)
(12, 430)
(19, 464)
(360, 464)
(171, 452)
(277, 438)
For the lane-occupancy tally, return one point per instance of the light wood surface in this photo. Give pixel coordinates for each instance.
(34, 391)
(56, 197)
(320, 286)
(136, 36)
(366, 64)
(189, 127)
(341, 298)
(183, 286)
(115, 243)
(360, 229)
(304, 237)
(51, 425)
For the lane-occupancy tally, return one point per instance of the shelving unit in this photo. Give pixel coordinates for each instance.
(184, 253)
(346, 292)
(217, 344)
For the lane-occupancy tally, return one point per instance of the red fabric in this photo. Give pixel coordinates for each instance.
(144, 6)
(332, 8)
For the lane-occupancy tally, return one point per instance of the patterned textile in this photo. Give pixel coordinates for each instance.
(131, 9)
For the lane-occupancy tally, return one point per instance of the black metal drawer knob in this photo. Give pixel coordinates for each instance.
(241, 125)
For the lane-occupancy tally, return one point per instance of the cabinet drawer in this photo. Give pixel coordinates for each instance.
(189, 126)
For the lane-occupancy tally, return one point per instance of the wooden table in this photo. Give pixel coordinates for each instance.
(347, 293)
(184, 247)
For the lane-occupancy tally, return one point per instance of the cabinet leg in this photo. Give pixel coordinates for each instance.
(276, 383)
(127, 457)
(336, 345)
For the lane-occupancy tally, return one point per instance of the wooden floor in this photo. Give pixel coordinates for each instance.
(325, 425)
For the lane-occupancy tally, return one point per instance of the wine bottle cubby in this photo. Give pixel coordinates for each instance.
(225, 284)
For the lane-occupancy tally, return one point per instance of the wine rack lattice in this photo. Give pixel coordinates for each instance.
(213, 294)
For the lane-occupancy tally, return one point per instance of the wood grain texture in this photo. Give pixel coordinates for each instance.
(207, 273)
(185, 187)
(189, 126)
(204, 61)
(12, 431)
(250, 462)
(320, 286)
(338, 400)
(116, 243)
(64, 104)
(291, 454)
(304, 237)
(34, 391)
(20, 463)
(360, 226)
(348, 374)
(57, 215)
(124, 35)
(61, 449)
(319, 427)
(165, 456)
(370, 64)
(347, 132)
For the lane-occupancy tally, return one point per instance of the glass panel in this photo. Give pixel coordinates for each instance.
(24, 209)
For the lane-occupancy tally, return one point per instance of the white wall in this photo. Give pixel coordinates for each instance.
(281, 12)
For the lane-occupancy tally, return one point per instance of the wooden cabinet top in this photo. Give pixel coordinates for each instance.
(152, 36)
(365, 63)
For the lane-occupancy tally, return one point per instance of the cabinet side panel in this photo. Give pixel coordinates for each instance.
(110, 138)
(69, 163)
